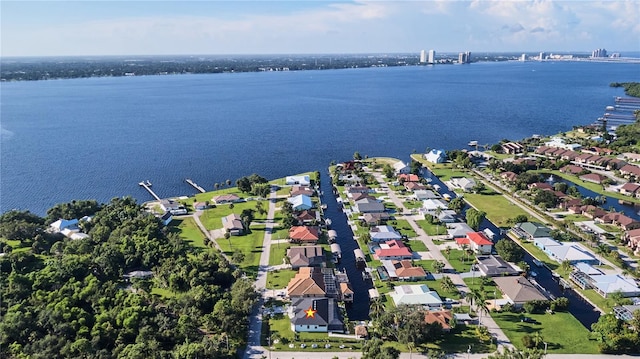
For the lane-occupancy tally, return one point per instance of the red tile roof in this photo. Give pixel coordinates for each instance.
(479, 238)
(304, 233)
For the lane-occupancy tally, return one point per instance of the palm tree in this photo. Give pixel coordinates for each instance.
(228, 183)
(447, 284)
(411, 346)
(464, 250)
(216, 186)
(565, 265)
(376, 308)
(537, 339)
(448, 252)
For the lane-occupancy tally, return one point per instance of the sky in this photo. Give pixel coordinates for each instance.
(83, 28)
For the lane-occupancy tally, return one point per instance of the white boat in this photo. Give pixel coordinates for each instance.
(473, 143)
(446, 196)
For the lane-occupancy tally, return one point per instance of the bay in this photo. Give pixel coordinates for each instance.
(97, 138)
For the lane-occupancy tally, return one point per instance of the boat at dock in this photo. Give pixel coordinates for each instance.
(473, 143)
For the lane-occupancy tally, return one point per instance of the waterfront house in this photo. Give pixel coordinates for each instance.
(615, 164)
(559, 143)
(403, 177)
(632, 239)
(512, 148)
(572, 169)
(403, 270)
(226, 198)
(307, 283)
(384, 233)
(518, 290)
(233, 224)
(298, 180)
(175, 207)
(301, 190)
(351, 190)
(393, 249)
(368, 205)
(494, 266)
(417, 295)
(564, 251)
(569, 155)
(199, 206)
(64, 224)
(593, 178)
(435, 156)
(466, 184)
(374, 219)
(447, 216)
(307, 217)
(414, 186)
(346, 292)
(300, 202)
(358, 196)
(458, 230)
(540, 185)
(431, 205)
(588, 277)
(400, 167)
(306, 256)
(166, 218)
(316, 315)
(630, 189)
(477, 241)
(625, 312)
(304, 234)
(620, 220)
(421, 195)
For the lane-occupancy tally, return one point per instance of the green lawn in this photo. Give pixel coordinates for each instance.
(490, 289)
(417, 246)
(280, 279)
(277, 253)
(498, 208)
(163, 292)
(430, 228)
(212, 218)
(539, 254)
(281, 325)
(250, 245)
(188, 230)
(562, 331)
(574, 218)
(458, 260)
(403, 226)
(446, 174)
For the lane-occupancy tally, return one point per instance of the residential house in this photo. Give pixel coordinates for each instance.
(307, 283)
(316, 315)
(430, 206)
(458, 230)
(559, 143)
(199, 206)
(540, 185)
(593, 178)
(368, 205)
(403, 270)
(421, 195)
(166, 218)
(358, 196)
(630, 170)
(307, 217)
(384, 233)
(531, 230)
(416, 294)
(588, 277)
(615, 164)
(583, 158)
(401, 167)
(300, 202)
(508, 176)
(357, 189)
(306, 256)
(625, 312)
(518, 290)
(442, 317)
(619, 219)
(303, 180)
(495, 266)
(447, 216)
(477, 241)
(304, 234)
(301, 190)
(464, 183)
(435, 156)
(408, 177)
(414, 186)
(569, 155)
(632, 239)
(374, 219)
(512, 148)
(635, 157)
(564, 251)
(175, 207)
(592, 212)
(64, 224)
(630, 189)
(233, 224)
(226, 198)
(393, 249)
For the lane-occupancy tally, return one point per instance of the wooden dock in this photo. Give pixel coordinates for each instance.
(147, 185)
(195, 185)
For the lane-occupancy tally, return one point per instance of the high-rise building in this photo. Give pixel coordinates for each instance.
(523, 57)
(599, 53)
(462, 58)
(468, 56)
(423, 56)
(432, 57)
(541, 56)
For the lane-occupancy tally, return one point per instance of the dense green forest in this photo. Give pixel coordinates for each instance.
(64, 298)
(630, 88)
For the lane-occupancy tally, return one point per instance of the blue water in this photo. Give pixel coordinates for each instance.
(97, 138)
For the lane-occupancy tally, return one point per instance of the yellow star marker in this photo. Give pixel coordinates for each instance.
(310, 312)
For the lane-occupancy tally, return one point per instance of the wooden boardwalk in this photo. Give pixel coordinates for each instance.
(195, 185)
(147, 185)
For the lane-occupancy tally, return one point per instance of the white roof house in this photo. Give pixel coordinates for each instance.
(401, 167)
(607, 284)
(431, 205)
(562, 251)
(435, 156)
(447, 216)
(300, 202)
(464, 183)
(61, 224)
(458, 230)
(416, 294)
(298, 180)
(384, 233)
(422, 194)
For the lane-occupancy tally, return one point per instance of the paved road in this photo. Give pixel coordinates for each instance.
(347, 355)
(436, 254)
(254, 350)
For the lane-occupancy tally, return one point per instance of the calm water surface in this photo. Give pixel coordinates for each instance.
(97, 138)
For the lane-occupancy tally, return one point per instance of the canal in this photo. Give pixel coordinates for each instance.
(359, 310)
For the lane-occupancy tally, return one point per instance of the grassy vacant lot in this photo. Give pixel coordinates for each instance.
(446, 174)
(250, 245)
(432, 229)
(497, 207)
(280, 279)
(403, 226)
(459, 260)
(562, 332)
(212, 218)
(417, 246)
(188, 230)
(277, 253)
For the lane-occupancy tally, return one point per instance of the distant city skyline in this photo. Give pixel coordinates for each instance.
(77, 28)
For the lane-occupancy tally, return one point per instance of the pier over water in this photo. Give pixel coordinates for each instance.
(195, 185)
(147, 185)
